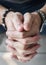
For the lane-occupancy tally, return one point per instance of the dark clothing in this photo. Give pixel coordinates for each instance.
(17, 1)
(21, 1)
(28, 6)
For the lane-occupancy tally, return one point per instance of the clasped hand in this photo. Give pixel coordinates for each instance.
(23, 34)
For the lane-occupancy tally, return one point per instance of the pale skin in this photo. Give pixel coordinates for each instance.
(26, 33)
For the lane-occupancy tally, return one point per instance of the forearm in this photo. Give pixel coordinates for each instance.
(2, 11)
(43, 9)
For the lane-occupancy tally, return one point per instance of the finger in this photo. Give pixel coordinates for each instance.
(15, 34)
(10, 49)
(25, 59)
(8, 21)
(21, 51)
(24, 52)
(19, 45)
(17, 21)
(29, 51)
(14, 44)
(28, 21)
(34, 48)
(18, 35)
(29, 40)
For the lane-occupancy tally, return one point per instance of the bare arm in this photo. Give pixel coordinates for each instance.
(43, 8)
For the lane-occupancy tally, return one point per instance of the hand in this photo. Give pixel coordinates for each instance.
(23, 51)
(14, 20)
(14, 33)
(21, 36)
(32, 22)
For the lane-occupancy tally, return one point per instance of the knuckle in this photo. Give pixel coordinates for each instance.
(25, 41)
(22, 35)
(9, 16)
(26, 14)
(18, 14)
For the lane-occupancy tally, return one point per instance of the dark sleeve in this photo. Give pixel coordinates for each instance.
(45, 1)
(5, 3)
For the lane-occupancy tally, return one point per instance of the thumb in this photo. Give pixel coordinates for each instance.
(28, 21)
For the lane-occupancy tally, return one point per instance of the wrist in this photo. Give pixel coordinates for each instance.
(43, 9)
(2, 11)
(43, 18)
(3, 14)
